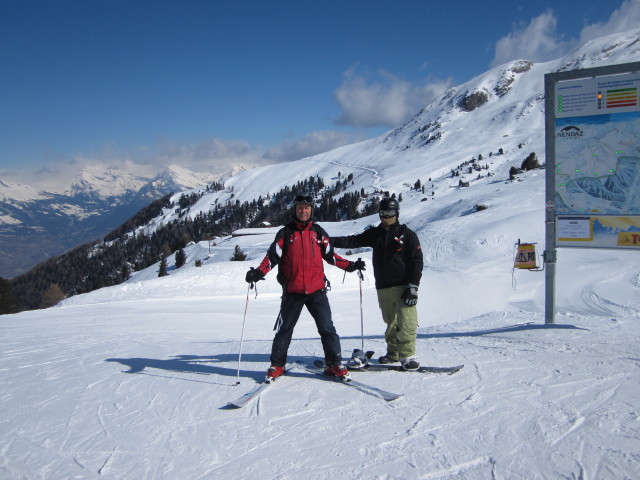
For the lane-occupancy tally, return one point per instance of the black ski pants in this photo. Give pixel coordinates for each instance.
(290, 309)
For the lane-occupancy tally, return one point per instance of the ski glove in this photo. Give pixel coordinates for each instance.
(357, 265)
(410, 295)
(254, 275)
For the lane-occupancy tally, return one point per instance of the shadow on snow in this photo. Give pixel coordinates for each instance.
(207, 365)
(202, 365)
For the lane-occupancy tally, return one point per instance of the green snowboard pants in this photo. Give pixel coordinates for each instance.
(402, 323)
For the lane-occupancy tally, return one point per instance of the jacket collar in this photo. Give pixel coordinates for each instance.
(391, 228)
(298, 225)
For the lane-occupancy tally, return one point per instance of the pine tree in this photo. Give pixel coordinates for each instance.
(530, 162)
(238, 255)
(163, 267)
(181, 258)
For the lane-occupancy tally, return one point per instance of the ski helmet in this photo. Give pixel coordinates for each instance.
(389, 207)
(303, 200)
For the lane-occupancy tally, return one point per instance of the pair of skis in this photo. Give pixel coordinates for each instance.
(260, 388)
(318, 369)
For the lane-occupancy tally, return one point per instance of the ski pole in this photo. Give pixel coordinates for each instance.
(360, 278)
(246, 305)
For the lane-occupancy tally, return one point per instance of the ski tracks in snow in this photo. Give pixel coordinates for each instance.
(531, 402)
(375, 183)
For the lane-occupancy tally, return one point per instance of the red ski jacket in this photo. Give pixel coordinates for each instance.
(299, 250)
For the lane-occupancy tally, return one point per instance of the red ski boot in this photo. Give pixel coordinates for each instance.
(339, 371)
(274, 372)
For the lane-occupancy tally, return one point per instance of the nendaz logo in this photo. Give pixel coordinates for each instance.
(570, 132)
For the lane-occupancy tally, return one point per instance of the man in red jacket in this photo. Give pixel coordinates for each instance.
(299, 249)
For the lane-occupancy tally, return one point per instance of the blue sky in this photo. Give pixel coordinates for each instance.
(201, 83)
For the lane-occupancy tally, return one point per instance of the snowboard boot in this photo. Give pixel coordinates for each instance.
(339, 371)
(388, 359)
(273, 373)
(410, 363)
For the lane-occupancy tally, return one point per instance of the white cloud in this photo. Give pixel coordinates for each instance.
(214, 154)
(57, 176)
(625, 18)
(217, 155)
(539, 40)
(386, 100)
(311, 144)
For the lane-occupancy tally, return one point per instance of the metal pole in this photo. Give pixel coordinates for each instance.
(246, 305)
(549, 254)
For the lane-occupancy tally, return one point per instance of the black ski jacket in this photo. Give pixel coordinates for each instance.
(397, 256)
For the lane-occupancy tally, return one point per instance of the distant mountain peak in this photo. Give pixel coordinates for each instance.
(105, 182)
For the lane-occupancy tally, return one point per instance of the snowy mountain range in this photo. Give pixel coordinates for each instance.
(36, 225)
(132, 380)
(478, 129)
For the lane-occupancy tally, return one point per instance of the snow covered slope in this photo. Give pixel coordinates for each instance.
(131, 381)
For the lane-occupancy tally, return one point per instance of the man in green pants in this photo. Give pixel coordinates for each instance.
(397, 268)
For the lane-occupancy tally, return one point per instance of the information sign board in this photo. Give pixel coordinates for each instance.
(597, 161)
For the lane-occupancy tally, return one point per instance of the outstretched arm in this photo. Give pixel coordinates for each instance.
(330, 256)
(364, 239)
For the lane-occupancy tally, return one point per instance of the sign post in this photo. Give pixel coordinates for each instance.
(592, 148)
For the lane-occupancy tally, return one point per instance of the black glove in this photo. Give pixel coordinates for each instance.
(410, 295)
(357, 265)
(254, 275)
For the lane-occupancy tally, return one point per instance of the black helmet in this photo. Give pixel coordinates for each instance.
(388, 207)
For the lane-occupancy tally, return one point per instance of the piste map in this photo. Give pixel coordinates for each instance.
(597, 167)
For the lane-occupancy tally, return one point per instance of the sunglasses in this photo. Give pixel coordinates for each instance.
(304, 199)
(387, 213)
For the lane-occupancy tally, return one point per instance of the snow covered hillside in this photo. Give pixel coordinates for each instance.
(132, 381)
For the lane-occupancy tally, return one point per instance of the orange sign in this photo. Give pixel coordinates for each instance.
(629, 239)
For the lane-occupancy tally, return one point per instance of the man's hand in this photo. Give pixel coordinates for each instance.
(357, 265)
(410, 295)
(254, 275)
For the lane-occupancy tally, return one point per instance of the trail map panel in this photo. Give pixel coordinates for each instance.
(597, 161)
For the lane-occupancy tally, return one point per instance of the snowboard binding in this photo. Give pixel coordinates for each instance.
(359, 359)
